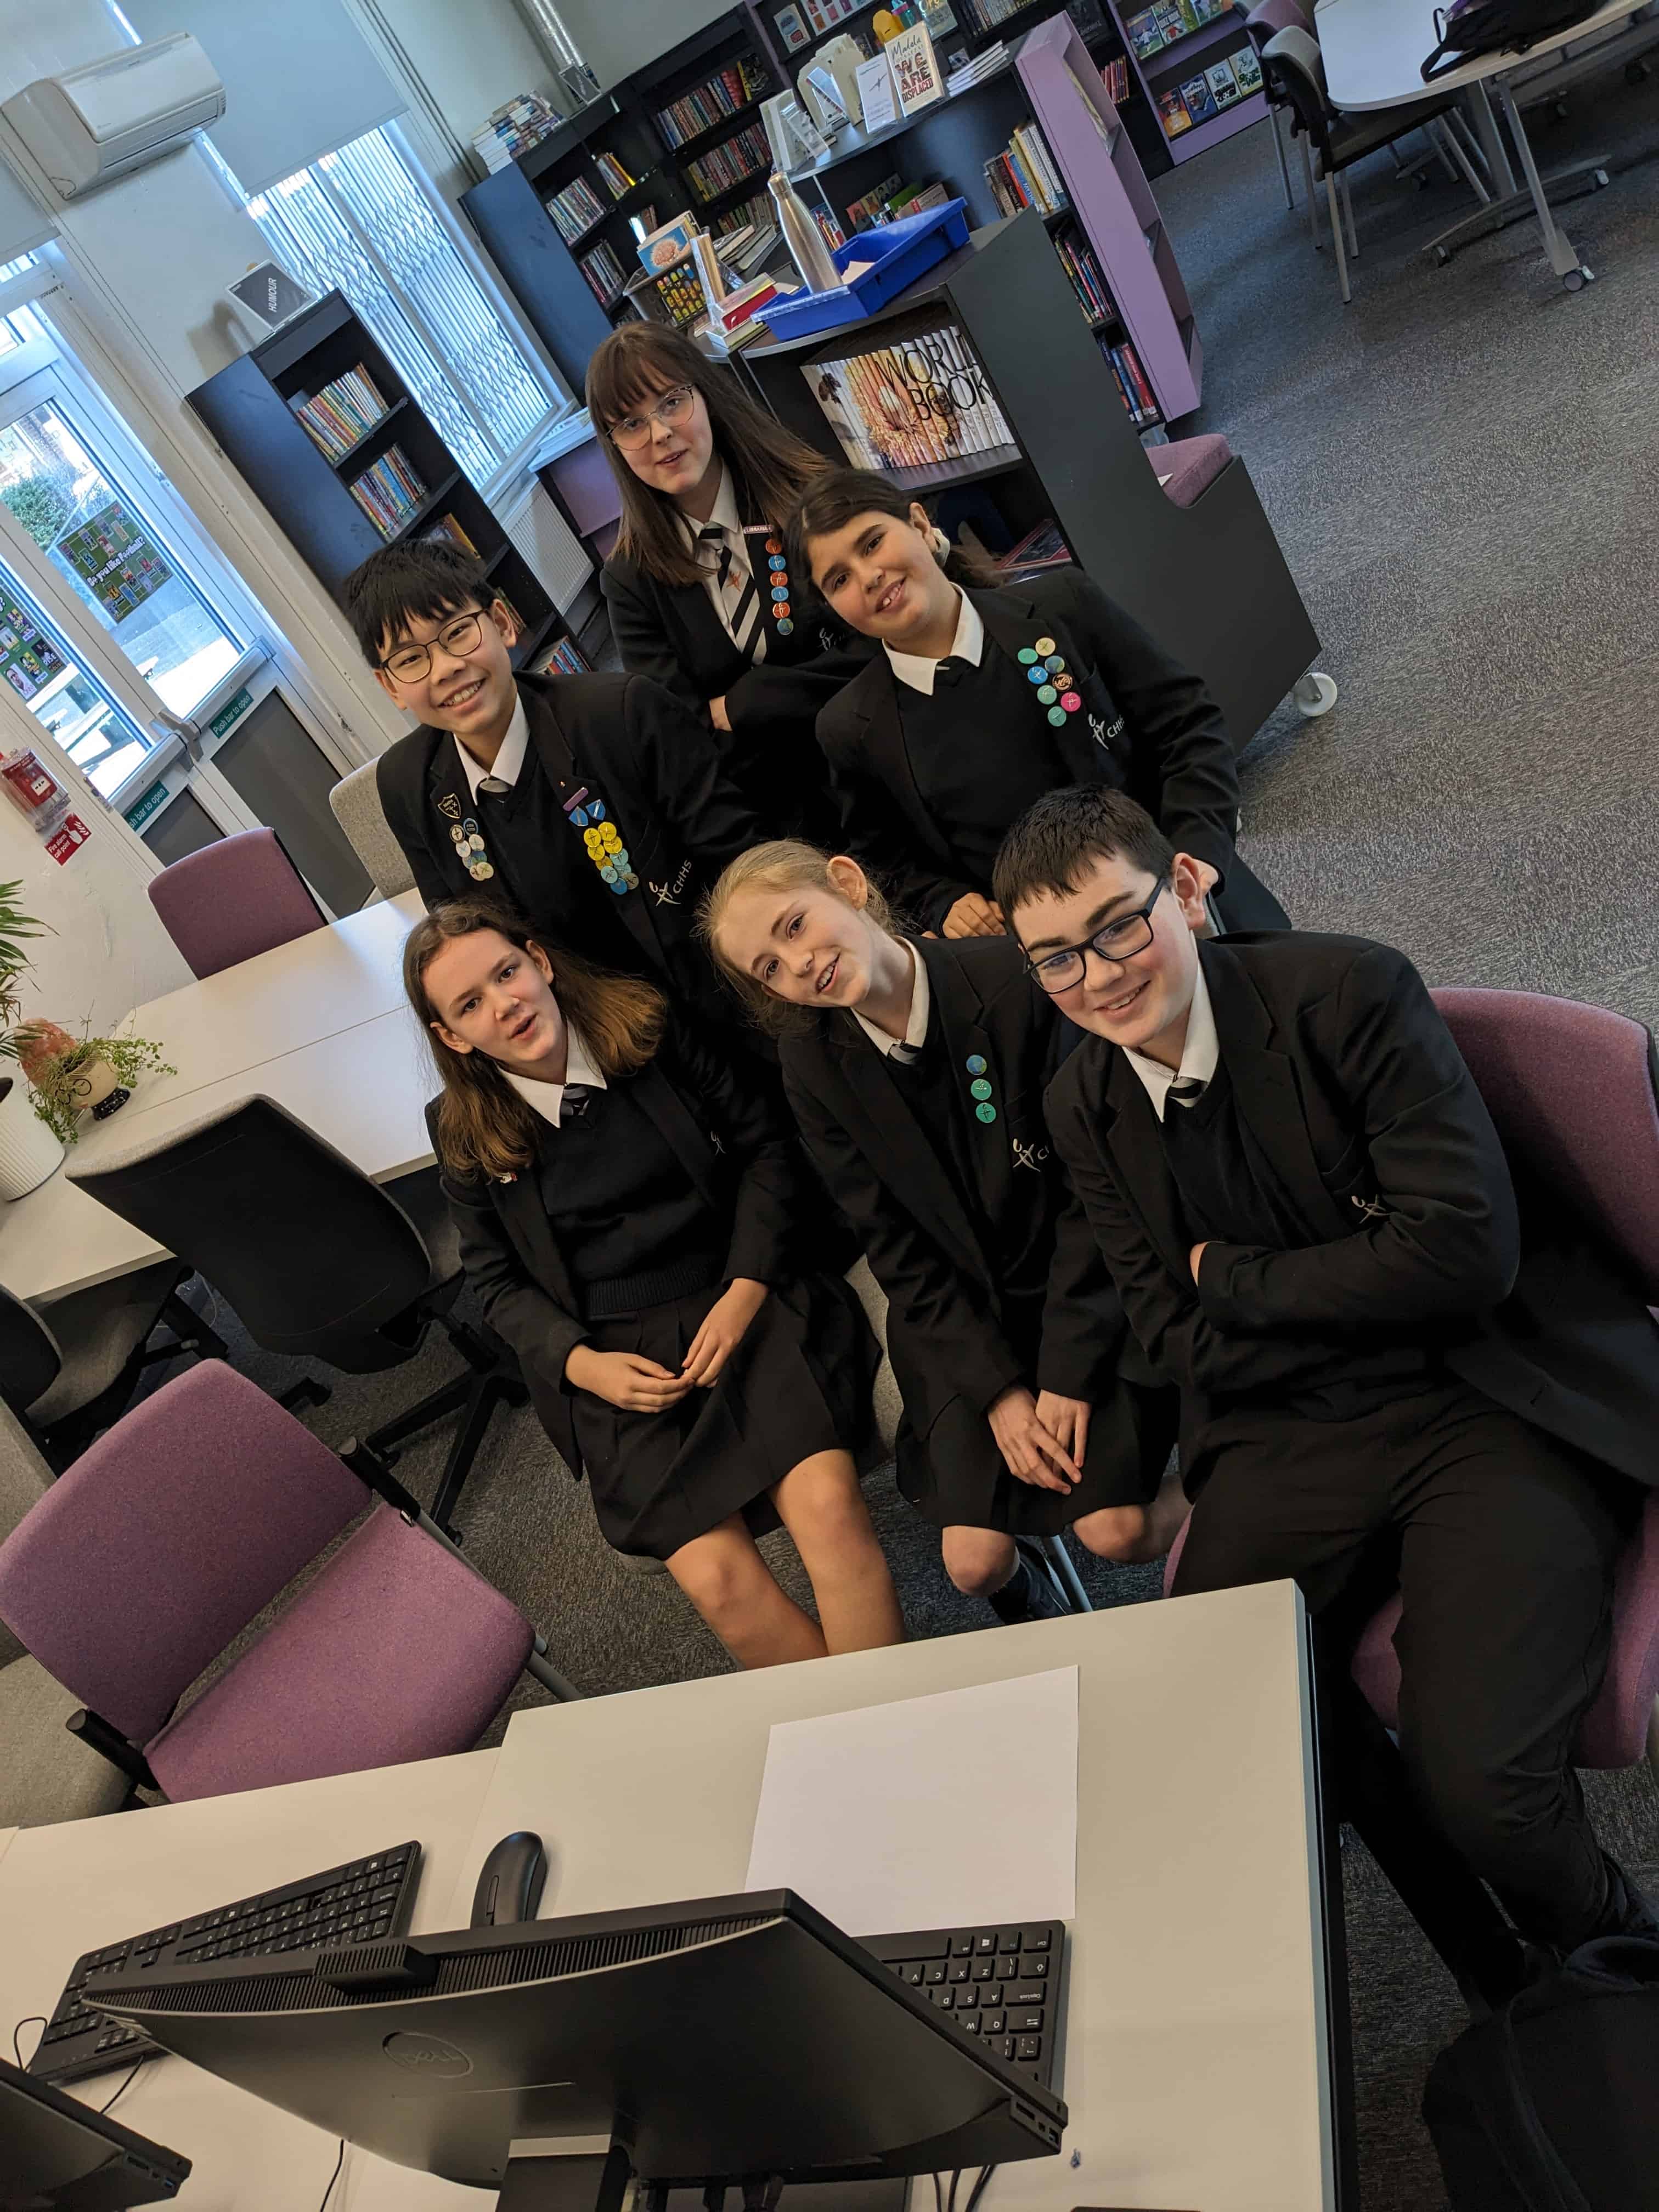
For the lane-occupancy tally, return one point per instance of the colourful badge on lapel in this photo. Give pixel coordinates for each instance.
(601, 841)
(980, 1089)
(1056, 692)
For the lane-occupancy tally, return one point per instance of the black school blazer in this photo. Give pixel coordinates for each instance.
(944, 1288)
(738, 1154)
(1147, 726)
(630, 744)
(1349, 1080)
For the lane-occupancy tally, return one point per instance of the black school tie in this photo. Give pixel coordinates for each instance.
(738, 593)
(1188, 1090)
(578, 1097)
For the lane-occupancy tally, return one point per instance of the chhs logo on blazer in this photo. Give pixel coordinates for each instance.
(1028, 1155)
(1103, 736)
(668, 894)
(450, 806)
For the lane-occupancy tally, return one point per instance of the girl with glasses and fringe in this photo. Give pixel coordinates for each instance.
(915, 1069)
(701, 595)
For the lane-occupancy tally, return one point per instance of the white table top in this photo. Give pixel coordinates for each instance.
(1374, 50)
(319, 1026)
(1195, 2065)
(70, 1889)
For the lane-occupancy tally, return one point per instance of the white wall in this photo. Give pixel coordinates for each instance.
(619, 36)
(471, 57)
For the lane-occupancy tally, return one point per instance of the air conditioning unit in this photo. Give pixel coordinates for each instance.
(110, 116)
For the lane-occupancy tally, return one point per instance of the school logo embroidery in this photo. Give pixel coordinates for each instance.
(719, 1148)
(1372, 1208)
(669, 895)
(1029, 1156)
(827, 639)
(1103, 735)
(450, 806)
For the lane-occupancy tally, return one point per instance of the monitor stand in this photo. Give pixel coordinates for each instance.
(594, 2174)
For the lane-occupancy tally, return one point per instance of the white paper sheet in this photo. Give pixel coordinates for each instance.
(932, 1813)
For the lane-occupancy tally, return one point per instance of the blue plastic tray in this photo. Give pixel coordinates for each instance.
(898, 252)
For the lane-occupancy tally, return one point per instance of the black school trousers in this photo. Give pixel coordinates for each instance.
(1504, 1542)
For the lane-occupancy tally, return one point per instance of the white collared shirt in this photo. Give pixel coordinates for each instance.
(508, 764)
(1199, 1056)
(730, 523)
(968, 644)
(548, 1098)
(915, 1030)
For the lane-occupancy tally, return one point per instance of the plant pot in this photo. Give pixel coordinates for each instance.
(91, 1084)
(28, 1150)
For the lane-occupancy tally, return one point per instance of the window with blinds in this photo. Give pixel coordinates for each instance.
(363, 219)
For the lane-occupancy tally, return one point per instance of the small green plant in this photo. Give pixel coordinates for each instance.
(58, 1085)
(15, 926)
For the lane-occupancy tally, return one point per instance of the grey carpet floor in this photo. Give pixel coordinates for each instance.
(1461, 467)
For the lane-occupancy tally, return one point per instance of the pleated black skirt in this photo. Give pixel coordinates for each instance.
(798, 1383)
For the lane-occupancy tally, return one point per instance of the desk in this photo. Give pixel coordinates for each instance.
(68, 1889)
(1373, 52)
(320, 1025)
(1198, 2069)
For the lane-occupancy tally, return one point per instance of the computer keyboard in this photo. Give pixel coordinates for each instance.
(360, 1903)
(1002, 1984)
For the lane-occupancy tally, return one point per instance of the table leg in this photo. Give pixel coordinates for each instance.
(1563, 253)
(1490, 143)
(1512, 204)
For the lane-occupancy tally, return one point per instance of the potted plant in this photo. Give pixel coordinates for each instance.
(73, 1076)
(29, 1151)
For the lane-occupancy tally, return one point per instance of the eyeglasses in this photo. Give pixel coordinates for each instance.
(458, 638)
(634, 430)
(1119, 940)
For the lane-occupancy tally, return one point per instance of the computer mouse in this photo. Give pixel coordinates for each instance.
(510, 1881)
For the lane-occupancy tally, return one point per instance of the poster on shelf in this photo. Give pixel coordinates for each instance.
(792, 30)
(916, 69)
(876, 92)
(114, 560)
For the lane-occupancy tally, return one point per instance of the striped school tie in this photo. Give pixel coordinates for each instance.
(738, 593)
(1188, 1090)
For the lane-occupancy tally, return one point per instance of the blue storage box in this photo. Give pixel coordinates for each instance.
(898, 252)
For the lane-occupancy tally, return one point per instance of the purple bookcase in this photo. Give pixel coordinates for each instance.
(1114, 205)
(1178, 62)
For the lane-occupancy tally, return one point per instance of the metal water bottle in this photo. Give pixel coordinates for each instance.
(802, 236)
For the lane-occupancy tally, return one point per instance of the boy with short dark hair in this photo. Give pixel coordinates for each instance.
(1309, 1216)
(595, 802)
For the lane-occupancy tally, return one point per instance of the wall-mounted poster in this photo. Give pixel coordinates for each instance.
(113, 558)
(28, 659)
(791, 29)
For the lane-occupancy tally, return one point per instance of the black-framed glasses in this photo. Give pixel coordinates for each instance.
(457, 638)
(636, 431)
(1119, 940)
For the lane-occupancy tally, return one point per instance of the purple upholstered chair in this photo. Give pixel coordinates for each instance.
(162, 1543)
(233, 899)
(1572, 1090)
(1187, 467)
(1261, 23)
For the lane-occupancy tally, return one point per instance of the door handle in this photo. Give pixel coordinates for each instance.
(166, 724)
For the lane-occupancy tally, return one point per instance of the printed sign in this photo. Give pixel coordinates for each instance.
(231, 712)
(68, 839)
(916, 69)
(28, 659)
(152, 802)
(115, 561)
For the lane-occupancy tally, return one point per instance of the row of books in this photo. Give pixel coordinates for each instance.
(515, 126)
(564, 657)
(905, 406)
(1024, 175)
(389, 492)
(1077, 259)
(575, 209)
(605, 273)
(745, 154)
(1115, 78)
(342, 414)
(830, 228)
(1159, 25)
(615, 175)
(1138, 394)
(987, 13)
(758, 213)
(699, 110)
(447, 529)
(1203, 96)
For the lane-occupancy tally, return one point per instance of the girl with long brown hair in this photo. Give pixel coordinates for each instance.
(915, 1070)
(702, 596)
(980, 701)
(629, 1211)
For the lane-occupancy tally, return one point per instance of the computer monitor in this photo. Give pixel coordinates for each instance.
(718, 2040)
(56, 2152)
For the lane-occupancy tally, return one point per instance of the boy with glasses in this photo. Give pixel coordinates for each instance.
(595, 803)
(1309, 1216)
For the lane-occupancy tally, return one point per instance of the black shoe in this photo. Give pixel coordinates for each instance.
(1027, 1596)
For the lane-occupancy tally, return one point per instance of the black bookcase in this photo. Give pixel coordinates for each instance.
(1208, 580)
(249, 409)
(510, 210)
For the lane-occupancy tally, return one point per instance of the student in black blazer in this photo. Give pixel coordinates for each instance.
(982, 699)
(916, 1072)
(630, 1212)
(1387, 1370)
(594, 803)
(702, 596)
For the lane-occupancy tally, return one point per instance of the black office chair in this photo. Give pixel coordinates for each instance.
(68, 1373)
(1291, 64)
(318, 1261)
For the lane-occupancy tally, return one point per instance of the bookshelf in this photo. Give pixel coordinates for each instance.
(675, 169)
(1114, 214)
(247, 408)
(1189, 46)
(1209, 580)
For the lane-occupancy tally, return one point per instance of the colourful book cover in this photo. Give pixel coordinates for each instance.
(1247, 68)
(1200, 104)
(1145, 36)
(1224, 85)
(1173, 110)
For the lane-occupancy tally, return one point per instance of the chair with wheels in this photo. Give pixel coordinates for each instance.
(319, 1261)
(132, 1575)
(1290, 64)
(68, 1371)
(355, 800)
(233, 899)
(1260, 23)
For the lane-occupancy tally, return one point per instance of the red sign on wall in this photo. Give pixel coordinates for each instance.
(69, 838)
